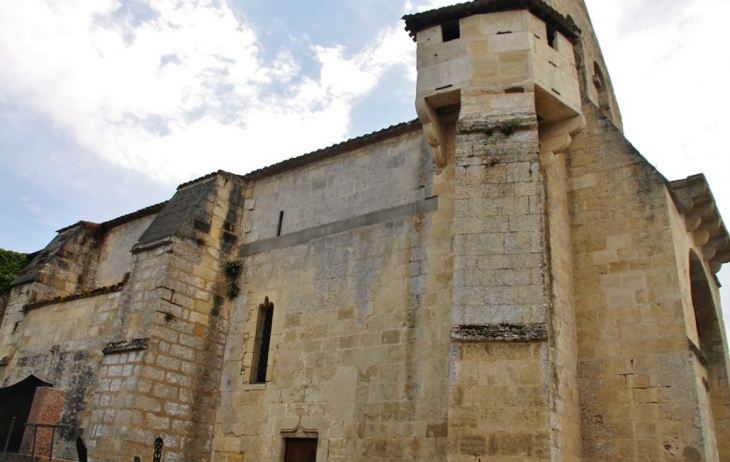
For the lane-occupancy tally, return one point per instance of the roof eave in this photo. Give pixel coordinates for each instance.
(418, 22)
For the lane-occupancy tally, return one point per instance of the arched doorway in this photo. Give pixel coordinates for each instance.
(712, 348)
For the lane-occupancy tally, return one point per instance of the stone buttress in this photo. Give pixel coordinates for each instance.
(173, 331)
(507, 82)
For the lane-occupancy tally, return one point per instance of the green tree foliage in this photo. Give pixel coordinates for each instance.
(11, 264)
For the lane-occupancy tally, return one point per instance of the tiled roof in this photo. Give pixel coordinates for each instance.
(204, 178)
(345, 146)
(87, 224)
(420, 21)
(177, 217)
(321, 154)
(152, 209)
(107, 225)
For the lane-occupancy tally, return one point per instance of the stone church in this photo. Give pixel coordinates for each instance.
(503, 279)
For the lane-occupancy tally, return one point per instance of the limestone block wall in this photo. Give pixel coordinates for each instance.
(360, 336)
(496, 52)
(641, 396)
(13, 317)
(367, 180)
(118, 379)
(511, 234)
(167, 389)
(64, 313)
(121, 375)
(4, 300)
(178, 304)
(499, 285)
(565, 404)
(589, 56)
(144, 353)
(115, 258)
(62, 343)
(703, 326)
(66, 265)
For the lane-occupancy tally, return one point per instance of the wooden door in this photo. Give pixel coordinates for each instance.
(300, 450)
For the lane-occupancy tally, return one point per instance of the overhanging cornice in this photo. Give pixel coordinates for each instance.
(696, 203)
(417, 22)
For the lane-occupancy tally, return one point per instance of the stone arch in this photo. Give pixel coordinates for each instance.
(712, 348)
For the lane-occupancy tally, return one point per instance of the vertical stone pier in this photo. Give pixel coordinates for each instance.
(500, 305)
(46, 410)
(513, 80)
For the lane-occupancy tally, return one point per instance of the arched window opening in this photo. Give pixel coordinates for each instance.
(710, 337)
(706, 319)
(599, 81)
(263, 341)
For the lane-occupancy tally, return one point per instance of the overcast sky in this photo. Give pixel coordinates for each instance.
(107, 105)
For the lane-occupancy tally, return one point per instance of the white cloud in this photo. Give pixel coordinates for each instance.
(39, 215)
(670, 81)
(181, 89)
(425, 5)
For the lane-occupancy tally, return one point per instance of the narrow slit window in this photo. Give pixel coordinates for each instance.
(281, 222)
(599, 81)
(552, 37)
(450, 31)
(263, 342)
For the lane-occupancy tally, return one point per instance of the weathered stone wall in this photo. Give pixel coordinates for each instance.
(507, 309)
(641, 392)
(62, 343)
(57, 331)
(475, 293)
(178, 303)
(589, 54)
(499, 404)
(360, 342)
(4, 301)
(66, 265)
(115, 257)
(565, 405)
(704, 328)
(379, 177)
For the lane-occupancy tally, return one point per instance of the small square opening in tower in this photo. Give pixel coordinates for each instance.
(450, 31)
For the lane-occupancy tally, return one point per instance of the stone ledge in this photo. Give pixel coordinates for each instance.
(77, 296)
(430, 204)
(151, 246)
(500, 333)
(124, 346)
